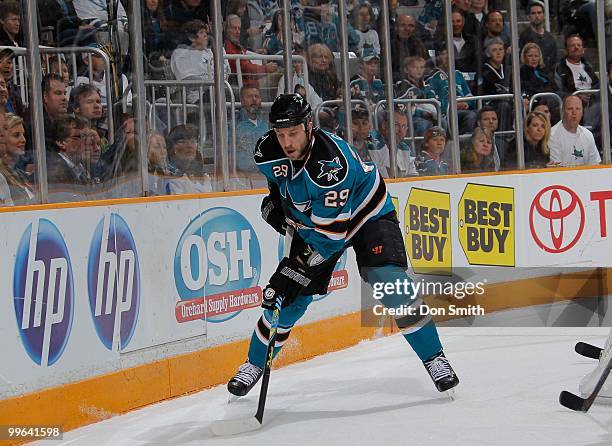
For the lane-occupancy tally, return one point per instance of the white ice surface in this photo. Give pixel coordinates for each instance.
(378, 393)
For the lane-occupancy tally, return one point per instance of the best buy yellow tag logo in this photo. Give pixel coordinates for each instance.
(427, 231)
(486, 225)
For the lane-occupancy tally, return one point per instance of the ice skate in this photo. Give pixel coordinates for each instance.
(247, 376)
(442, 374)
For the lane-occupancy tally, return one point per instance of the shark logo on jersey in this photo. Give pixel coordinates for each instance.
(258, 152)
(330, 169)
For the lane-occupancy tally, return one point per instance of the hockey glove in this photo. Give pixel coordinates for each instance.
(290, 278)
(272, 213)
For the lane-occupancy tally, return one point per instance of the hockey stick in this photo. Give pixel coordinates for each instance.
(241, 425)
(577, 403)
(588, 350)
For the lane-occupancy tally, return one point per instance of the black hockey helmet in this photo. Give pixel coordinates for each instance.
(289, 110)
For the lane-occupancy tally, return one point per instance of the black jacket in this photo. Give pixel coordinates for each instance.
(532, 83)
(564, 79)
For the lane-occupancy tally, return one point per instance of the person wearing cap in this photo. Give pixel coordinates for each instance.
(98, 79)
(536, 33)
(325, 199)
(367, 142)
(430, 162)
(366, 84)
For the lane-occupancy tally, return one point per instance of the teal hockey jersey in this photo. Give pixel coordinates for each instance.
(330, 194)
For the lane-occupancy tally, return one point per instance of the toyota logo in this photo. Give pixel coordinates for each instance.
(555, 205)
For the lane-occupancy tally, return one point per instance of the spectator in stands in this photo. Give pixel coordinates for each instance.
(471, 24)
(249, 128)
(494, 28)
(156, 41)
(64, 160)
(99, 77)
(19, 181)
(549, 108)
(4, 94)
(14, 103)
(438, 82)
(323, 28)
(535, 141)
(405, 153)
(10, 18)
(570, 143)
(534, 76)
(321, 72)
(67, 26)
(299, 80)
(247, 30)
(363, 142)
(55, 102)
(195, 61)
(478, 155)
(404, 44)
(393, 14)
(5, 191)
(468, 51)
(413, 86)
(487, 119)
(96, 12)
(164, 178)
(430, 162)
(362, 19)
(573, 72)
(121, 158)
(273, 42)
(60, 67)
(92, 150)
(478, 9)
(87, 104)
(184, 154)
(496, 79)
(536, 33)
(250, 71)
(366, 84)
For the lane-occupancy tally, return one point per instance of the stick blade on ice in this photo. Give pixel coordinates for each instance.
(224, 428)
(572, 401)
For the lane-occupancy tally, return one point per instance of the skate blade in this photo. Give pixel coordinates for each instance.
(232, 398)
(449, 394)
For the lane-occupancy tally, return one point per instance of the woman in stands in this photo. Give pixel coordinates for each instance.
(19, 182)
(534, 78)
(273, 41)
(321, 73)
(478, 155)
(535, 141)
(496, 79)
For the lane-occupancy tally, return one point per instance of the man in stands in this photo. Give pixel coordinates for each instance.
(249, 128)
(405, 43)
(87, 104)
(536, 33)
(570, 143)
(55, 103)
(65, 171)
(494, 27)
(250, 71)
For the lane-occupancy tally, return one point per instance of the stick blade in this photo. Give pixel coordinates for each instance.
(571, 401)
(224, 428)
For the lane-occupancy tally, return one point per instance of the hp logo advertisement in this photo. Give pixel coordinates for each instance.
(113, 282)
(43, 290)
(217, 264)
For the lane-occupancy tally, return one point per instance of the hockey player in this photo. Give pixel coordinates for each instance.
(334, 200)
